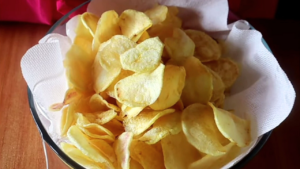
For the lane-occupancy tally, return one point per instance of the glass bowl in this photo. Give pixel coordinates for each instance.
(56, 158)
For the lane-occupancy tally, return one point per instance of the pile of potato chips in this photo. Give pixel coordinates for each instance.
(145, 93)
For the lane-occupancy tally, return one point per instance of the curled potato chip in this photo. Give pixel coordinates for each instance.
(106, 116)
(146, 155)
(163, 31)
(133, 23)
(106, 149)
(97, 103)
(157, 14)
(130, 111)
(178, 152)
(107, 27)
(199, 126)
(179, 45)
(145, 57)
(164, 126)
(144, 120)
(78, 139)
(198, 82)
(237, 130)
(218, 86)
(217, 162)
(140, 89)
(71, 95)
(179, 105)
(121, 148)
(115, 127)
(207, 49)
(66, 120)
(227, 69)
(107, 64)
(89, 20)
(143, 37)
(173, 83)
(76, 155)
(135, 165)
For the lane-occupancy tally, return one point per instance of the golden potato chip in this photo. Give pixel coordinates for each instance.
(198, 82)
(172, 18)
(163, 31)
(173, 83)
(143, 37)
(106, 116)
(179, 45)
(107, 27)
(217, 162)
(79, 140)
(140, 89)
(237, 130)
(218, 86)
(145, 57)
(157, 14)
(178, 152)
(135, 165)
(133, 23)
(82, 30)
(121, 147)
(207, 49)
(71, 95)
(227, 69)
(220, 101)
(105, 149)
(167, 125)
(199, 126)
(144, 120)
(107, 64)
(179, 105)
(146, 155)
(130, 111)
(76, 155)
(89, 20)
(115, 127)
(97, 103)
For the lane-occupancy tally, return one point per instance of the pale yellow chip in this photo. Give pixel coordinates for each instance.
(107, 64)
(97, 103)
(106, 149)
(145, 57)
(82, 30)
(146, 155)
(167, 125)
(218, 86)
(217, 162)
(133, 23)
(115, 127)
(140, 89)
(179, 45)
(135, 165)
(173, 83)
(199, 126)
(237, 130)
(130, 111)
(143, 37)
(144, 120)
(80, 140)
(106, 116)
(107, 27)
(89, 20)
(227, 69)
(121, 148)
(178, 152)
(207, 49)
(157, 14)
(76, 155)
(71, 95)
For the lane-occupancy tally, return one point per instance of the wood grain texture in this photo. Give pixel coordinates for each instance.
(20, 142)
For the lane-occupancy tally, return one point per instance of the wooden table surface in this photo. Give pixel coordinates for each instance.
(20, 142)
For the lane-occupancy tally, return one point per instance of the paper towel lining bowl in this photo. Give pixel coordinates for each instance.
(35, 111)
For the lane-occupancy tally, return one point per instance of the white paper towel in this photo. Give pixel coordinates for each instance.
(262, 93)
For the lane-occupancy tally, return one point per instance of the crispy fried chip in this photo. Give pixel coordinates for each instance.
(144, 120)
(199, 126)
(218, 86)
(145, 57)
(115, 127)
(97, 103)
(143, 37)
(106, 116)
(163, 31)
(174, 78)
(133, 23)
(89, 20)
(157, 14)
(121, 147)
(135, 165)
(207, 49)
(130, 111)
(140, 89)
(172, 18)
(105, 149)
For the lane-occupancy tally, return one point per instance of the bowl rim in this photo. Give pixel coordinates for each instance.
(71, 163)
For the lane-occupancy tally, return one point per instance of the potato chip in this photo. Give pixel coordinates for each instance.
(115, 127)
(71, 95)
(140, 89)
(163, 31)
(237, 130)
(146, 155)
(199, 126)
(144, 120)
(178, 152)
(135, 165)
(97, 103)
(82, 30)
(220, 101)
(89, 20)
(105, 149)
(68, 118)
(121, 147)
(218, 86)
(108, 55)
(179, 105)
(143, 37)
(133, 23)
(130, 111)
(107, 27)
(179, 45)
(227, 69)
(167, 125)
(157, 14)
(173, 83)
(217, 162)
(76, 155)
(78, 139)
(207, 49)
(145, 57)
(172, 18)
(105, 117)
